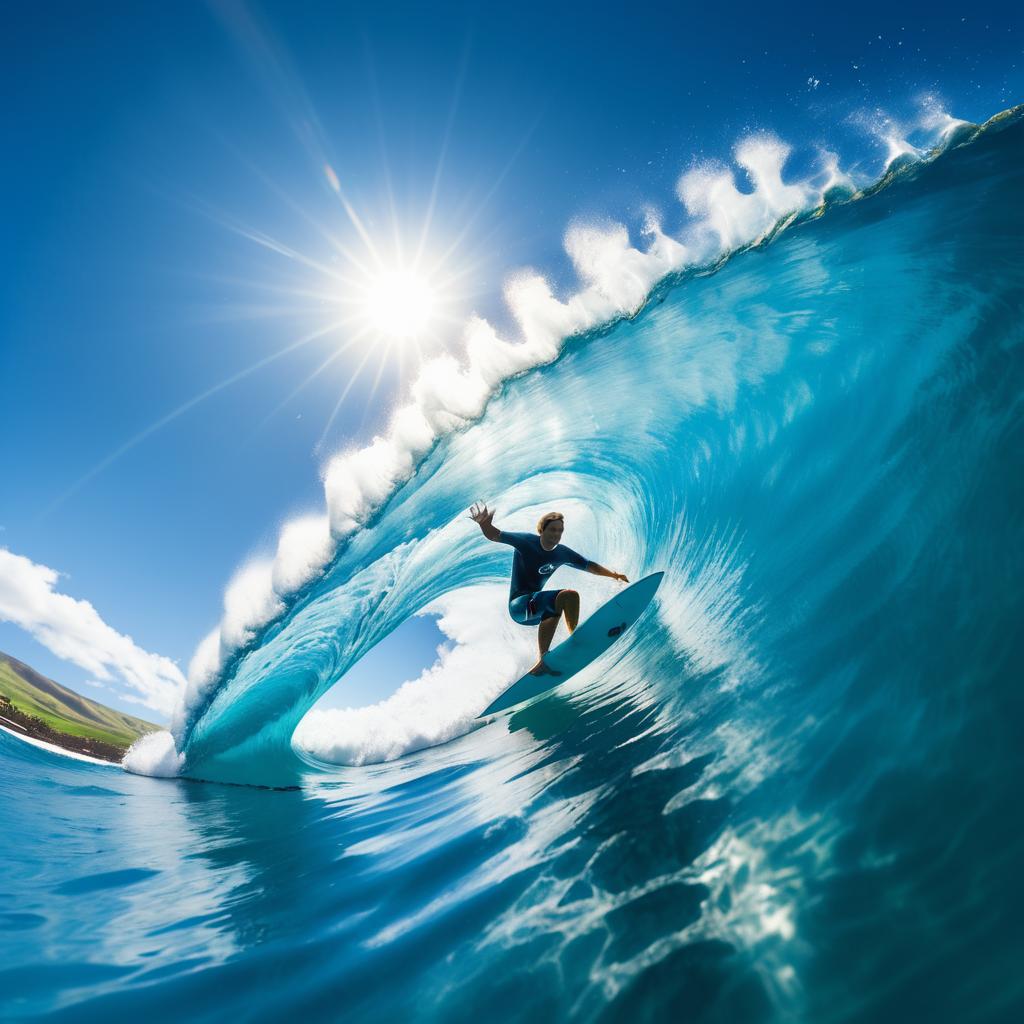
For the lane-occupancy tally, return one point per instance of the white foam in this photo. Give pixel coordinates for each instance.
(935, 121)
(832, 175)
(303, 551)
(203, 672)
(931, 126)
(897, 146)
(738, 218)
(487, 652)
(250, 601)
(154, 754)
(613, 268)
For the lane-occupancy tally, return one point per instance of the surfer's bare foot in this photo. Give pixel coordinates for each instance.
(543, 669)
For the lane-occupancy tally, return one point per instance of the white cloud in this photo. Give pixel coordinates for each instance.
(73, 630)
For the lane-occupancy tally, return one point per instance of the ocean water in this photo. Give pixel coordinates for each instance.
(792, 792)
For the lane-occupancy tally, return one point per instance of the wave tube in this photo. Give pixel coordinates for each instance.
(757, 427)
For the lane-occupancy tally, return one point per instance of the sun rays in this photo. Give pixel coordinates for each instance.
(362, 288)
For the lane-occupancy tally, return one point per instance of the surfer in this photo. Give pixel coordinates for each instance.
(535, 558)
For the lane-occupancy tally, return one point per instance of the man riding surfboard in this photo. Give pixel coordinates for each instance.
(536, 558)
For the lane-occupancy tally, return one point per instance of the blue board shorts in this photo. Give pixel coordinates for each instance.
(530, 609)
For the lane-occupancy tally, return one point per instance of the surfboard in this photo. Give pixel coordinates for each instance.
(591, 639)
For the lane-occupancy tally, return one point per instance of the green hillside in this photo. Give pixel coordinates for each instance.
(63, 709)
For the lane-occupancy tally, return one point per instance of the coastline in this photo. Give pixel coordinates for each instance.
(33, 741)
(29, 727)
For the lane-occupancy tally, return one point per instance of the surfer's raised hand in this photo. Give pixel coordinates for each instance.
(479, 513)
(482, 516)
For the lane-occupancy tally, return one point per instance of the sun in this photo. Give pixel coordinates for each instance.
(400, 305)
(384, 298)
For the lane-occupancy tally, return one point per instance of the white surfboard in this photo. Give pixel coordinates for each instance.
(591, 639)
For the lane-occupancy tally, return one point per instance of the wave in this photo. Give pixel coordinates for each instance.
(390, 543)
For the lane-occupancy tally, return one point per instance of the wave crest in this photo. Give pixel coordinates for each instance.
(618, 279)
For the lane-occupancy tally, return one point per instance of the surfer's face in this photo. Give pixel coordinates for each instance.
(552, 533)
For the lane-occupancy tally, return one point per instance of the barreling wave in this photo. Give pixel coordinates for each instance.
(656, 363)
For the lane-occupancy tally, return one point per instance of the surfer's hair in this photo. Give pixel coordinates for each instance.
(548, 517)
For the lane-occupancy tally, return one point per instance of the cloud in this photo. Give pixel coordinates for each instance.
(74, 631)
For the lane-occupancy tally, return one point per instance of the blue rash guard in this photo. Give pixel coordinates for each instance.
(528, 602)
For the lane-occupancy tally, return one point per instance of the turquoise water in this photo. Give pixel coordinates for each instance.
(791, 793)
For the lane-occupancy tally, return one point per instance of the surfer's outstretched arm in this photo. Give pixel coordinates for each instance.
(480, 515)
(600, 570)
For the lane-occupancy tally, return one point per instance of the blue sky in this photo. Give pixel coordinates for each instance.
(168, 219)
